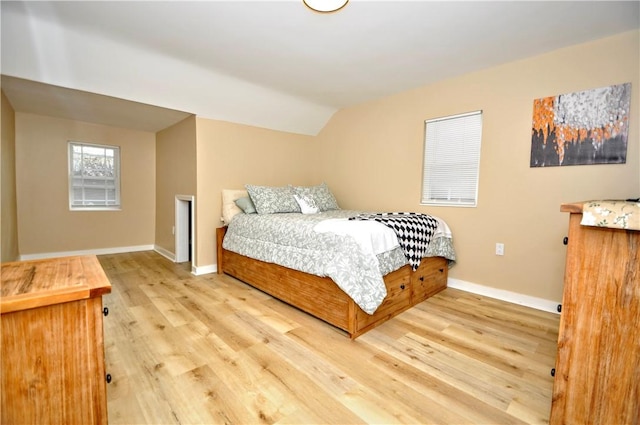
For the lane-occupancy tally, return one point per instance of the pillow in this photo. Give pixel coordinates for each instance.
(307, 205)
(271, 200)
(229, 207)
(321, 194)
(246, 205)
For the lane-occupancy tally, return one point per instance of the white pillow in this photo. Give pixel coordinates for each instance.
(321, 194)
(307, 204)
(229, 207)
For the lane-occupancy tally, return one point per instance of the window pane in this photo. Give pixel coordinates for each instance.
(93, 176)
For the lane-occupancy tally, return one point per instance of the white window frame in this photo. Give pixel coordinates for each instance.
(84, 204)
(451, 161)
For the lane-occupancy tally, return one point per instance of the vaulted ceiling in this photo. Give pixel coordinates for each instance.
(273, 64)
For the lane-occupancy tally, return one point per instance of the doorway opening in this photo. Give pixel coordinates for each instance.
(185, 228)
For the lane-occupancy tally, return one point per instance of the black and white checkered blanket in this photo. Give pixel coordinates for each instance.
(414, 231)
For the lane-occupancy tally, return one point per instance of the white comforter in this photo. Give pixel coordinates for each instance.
(373, 237)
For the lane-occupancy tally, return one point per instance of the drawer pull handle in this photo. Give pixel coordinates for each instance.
(565, 240)
(402, 287)
(105, 311)
(553, 372)
(559, 308)
(108, 378)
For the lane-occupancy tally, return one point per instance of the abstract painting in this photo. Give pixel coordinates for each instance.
(588, 127)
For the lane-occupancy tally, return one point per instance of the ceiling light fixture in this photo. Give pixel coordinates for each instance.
(325, 6)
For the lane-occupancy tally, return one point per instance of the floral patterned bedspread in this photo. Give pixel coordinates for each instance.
(289, 240)
(615, 214)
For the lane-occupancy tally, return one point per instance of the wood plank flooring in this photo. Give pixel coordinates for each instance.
(185, 349)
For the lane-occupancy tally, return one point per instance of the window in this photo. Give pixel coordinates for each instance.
(452, 160)
(94, 176)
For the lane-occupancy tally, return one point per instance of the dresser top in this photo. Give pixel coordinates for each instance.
(574, 207)
(38, 283)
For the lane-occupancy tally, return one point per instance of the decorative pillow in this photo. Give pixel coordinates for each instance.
(246, 205)
(270, 200)
(307, 205)
(229, 207)
(321, 194)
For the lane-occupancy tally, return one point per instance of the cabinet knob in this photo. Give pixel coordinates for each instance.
(421, 278)
(553, 372)
(402, 286)
(108, 378)
(565, 241)
(105, 311)
(441, 270)
(559, 308)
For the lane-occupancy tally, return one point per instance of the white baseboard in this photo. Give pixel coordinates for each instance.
(100, 251)
(212, 268)
(503, 295)
(194, 269)
(165, 253)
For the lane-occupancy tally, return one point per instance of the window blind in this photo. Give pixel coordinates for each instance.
(452, 160)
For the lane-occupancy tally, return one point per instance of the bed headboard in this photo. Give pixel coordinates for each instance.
(229, 207)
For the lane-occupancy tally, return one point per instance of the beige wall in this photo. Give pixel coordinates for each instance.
(371, 156)
(175, 175)
(46, 225)
(232, 155)
(9, 209)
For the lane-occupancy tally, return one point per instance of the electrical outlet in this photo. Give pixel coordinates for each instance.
(499, 248)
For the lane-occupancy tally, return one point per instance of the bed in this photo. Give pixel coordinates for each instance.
(296, 254)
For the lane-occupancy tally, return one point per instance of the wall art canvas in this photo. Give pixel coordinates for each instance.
(588, 127)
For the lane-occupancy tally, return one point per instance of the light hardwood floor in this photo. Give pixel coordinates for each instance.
(209, 349)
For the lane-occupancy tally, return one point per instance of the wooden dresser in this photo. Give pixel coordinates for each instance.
(597, 373)
(52, 342)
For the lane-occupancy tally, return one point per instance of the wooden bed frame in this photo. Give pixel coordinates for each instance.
(322, 298)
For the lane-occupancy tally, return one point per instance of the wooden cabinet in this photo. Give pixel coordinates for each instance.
(52, 342)
(597, 374)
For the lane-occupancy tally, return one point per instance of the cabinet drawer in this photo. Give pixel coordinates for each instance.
(398, 298)
(430, 278)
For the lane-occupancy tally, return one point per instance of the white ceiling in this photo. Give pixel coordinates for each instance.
(276, 64)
